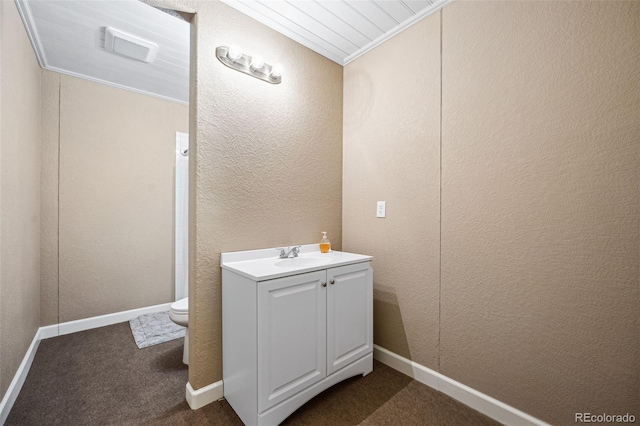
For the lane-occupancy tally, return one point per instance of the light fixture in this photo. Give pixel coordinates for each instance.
(234, 52)
(254, 66)
(276, 71)
(257, 62)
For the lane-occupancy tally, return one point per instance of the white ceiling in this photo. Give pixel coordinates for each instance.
(340, 30)
(68, 36)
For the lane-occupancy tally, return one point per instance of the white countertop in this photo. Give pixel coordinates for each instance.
(265, 264)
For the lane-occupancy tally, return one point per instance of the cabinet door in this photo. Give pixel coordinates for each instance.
(349, 314)
(291, 336)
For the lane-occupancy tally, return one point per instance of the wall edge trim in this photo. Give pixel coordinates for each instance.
(429, 10)
(19, 378)
(69, 327)
(112, 84)
(485, 404)
(205, 395)
(32, 32)
(54, 330)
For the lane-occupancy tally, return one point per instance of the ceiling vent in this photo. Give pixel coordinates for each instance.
(129, 45)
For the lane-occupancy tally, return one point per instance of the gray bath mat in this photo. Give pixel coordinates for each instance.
(152, 329)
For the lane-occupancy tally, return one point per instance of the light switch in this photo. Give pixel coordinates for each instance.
(381, 210)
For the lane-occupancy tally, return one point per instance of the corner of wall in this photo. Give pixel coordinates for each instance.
(2, 386)
(399, 164)
(19, 203)
(248, 144)
(49, 196)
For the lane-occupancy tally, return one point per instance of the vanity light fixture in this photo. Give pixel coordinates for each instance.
(255, 66)
(276, 70)
(256, 63)
(234, 52)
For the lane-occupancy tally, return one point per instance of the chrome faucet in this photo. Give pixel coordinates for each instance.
(284, 254)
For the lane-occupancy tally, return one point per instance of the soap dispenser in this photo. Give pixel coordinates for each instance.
(325, 244)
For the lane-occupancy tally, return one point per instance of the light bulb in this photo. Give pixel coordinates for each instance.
(234, 52)
(276, 71)
(257, 62)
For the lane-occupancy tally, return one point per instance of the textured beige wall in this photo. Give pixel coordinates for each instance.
(19, 193)
(269, 162)
(540, 172)
(268, 167)
(1, 62)
(50, 135)
(116, 171)
(540, 123)
(392, 153)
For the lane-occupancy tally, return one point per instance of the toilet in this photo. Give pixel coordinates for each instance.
(179, 313)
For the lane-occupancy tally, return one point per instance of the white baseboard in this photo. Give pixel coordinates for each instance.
(18, 380)
(490, 407)
(203, 396)
(485, 404)
(58, 330)
(99, 321)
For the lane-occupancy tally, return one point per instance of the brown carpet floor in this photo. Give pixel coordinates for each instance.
(100, 377)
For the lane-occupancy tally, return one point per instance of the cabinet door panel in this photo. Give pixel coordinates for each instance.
(349, 315)
(291, 336)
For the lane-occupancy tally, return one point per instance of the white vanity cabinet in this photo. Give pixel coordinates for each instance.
(286, 339)
(292, 336)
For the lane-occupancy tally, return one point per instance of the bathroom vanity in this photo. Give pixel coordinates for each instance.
(292, 328)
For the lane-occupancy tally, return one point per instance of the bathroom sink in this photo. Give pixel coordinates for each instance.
(264, 264)
(303, 262)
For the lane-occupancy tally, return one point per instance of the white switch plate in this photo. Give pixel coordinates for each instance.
(381, 209)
